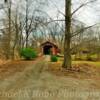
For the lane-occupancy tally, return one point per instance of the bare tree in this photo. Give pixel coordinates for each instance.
(67, 41)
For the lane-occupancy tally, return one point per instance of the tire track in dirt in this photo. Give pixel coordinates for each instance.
(19, 80)
(35, 77)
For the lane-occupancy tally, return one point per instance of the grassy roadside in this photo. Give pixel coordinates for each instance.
(97, 64)
(93, 63)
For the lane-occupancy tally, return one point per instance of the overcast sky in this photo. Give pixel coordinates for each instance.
(88, 14)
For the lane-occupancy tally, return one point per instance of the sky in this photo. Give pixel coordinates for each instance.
(88, 14)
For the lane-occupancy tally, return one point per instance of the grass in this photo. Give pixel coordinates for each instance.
(83, 61)
(94, 63)
(97, 64)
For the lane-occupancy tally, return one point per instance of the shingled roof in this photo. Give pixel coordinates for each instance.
(49, 43)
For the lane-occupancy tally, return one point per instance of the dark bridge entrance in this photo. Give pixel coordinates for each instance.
(47, 50)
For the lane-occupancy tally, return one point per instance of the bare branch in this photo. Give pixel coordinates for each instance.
(81, 30)
(82, 5)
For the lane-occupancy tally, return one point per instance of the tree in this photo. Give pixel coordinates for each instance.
(8, 33)
(67, 40)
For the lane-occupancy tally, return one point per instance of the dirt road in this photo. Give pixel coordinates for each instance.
(36, 83)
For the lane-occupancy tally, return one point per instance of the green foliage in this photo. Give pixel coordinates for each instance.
(28, 53)
(54, 58)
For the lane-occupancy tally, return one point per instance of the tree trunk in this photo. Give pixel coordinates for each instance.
(27, 24)
(67, 41)
(9, 33)
(26, 40)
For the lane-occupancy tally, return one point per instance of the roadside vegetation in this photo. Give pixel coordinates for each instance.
(28, 53)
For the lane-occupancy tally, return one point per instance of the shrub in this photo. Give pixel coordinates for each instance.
(28, 53)
(54, 58)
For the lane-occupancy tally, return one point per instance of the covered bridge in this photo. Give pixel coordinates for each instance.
(49, 48)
